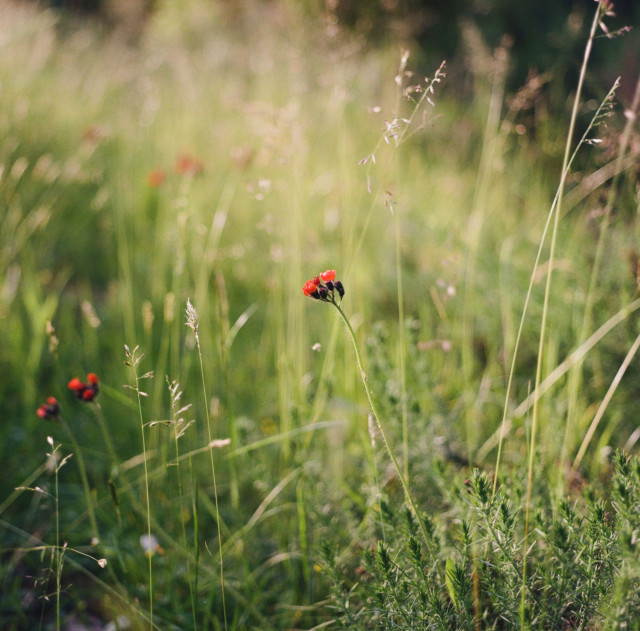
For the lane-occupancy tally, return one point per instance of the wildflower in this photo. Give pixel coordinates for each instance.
(75, 385)
(323, 287)
(85, 391)
(310, 289)
(49, 410)
(187, 165)
(150, 545)
(156, 177)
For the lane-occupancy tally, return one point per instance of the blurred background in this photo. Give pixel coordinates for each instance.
(539, 34)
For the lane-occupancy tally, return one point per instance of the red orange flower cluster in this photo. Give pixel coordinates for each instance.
(85, 391)
(49, 410)
(323, 287)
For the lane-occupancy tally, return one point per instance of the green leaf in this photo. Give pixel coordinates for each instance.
(449, 578)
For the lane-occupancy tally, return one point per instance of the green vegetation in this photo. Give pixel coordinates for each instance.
(229, 461)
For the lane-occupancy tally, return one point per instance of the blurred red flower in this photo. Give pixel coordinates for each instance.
(156, 177)
(85, 391)
(49, 410)
(187, 165)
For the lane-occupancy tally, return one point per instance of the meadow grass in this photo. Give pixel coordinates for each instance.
(219, 163)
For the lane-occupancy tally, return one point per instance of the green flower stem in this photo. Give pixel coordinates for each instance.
(374, 409)
(213, 474)
(146, 486)
(58, 554)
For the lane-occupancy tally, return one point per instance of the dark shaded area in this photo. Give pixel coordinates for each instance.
(542, 35)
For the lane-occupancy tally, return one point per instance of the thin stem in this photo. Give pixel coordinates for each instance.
(547, 294)
(194, 508)
(605, 402)
(146, 488)
(57, 551)
(213, 475)
(402, 348)
(398, 260)
(184, 533)
(374, 409)
(576, 377)
(582, 349)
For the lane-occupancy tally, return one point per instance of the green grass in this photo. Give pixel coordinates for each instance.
(435, 242)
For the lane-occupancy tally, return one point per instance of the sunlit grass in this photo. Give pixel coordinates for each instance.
(264, 139)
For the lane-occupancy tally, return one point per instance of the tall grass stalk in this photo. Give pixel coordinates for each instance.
(576, 375)
(192, 323)
(402, 345)
(605, 403)
(584, 346)
(59, 558)
(402, 341)
(133, 359)
(196, 529)
(554, 376)
(545, 305)
(179, 428)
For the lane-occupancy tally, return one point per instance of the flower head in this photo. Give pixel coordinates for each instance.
(310, 289)
(76, 385)
(85, 391)
(49, 410)
(323, 287)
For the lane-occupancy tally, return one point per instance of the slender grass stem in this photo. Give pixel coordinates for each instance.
(402, 349)
(215, 487)
(402, 345)
(179, 429)
(134, 359)
(605, 403)
(192, 322)
(58, 554)
(576, 377)
(192, 595)
(545, 305)
(196, 531)
(583, 348)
